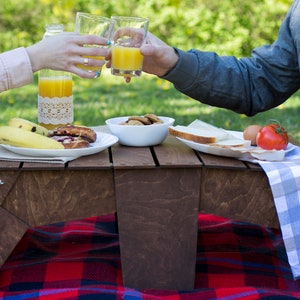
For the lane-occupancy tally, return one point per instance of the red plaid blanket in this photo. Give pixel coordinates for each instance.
(81, 260)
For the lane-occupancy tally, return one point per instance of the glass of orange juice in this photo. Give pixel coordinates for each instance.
(128, 35)
(87, 23)
(55, 99)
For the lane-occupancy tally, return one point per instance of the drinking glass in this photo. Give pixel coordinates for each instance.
(128, 34)
(87, 23)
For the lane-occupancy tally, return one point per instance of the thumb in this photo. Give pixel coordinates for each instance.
(147, 49)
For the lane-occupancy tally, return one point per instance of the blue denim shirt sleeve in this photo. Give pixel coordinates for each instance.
(248, 85)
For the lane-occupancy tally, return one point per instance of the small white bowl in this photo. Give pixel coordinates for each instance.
(139, 135)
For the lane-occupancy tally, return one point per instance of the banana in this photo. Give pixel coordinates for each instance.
(28, 125)
(17, 137)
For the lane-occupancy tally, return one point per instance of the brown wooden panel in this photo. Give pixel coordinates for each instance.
(211, 161)
(96, 161)
(42, 166)
(157, 217)
(43, 197)
(241, 195)
(175, 153)
(132, 157)
(9, 165)
(12, 229)
(7, 180)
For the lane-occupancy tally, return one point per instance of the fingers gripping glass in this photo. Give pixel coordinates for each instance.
(128, 35)
(95, 25)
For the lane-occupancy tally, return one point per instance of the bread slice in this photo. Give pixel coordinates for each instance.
(201, 136)
(204, 133)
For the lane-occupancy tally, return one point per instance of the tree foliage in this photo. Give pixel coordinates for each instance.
(230, 27)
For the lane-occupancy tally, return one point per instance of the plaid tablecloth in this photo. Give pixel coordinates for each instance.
(284, 179)
(81, 260)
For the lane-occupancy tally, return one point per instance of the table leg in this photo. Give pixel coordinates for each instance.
(157, 217)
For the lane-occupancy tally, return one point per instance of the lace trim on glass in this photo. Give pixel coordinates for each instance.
(55, 110)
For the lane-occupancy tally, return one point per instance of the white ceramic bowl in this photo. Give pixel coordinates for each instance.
(139, 136)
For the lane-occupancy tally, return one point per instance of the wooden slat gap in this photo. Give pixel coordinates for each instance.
(155, 159)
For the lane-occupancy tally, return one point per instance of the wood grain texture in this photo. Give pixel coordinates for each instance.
(12, 229)
(43, 197)
(7, 181)
(95, 161)
(157, 216)
(237, 194)
(174, 153)
(132, 157)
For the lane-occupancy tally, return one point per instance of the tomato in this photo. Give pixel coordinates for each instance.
(251, 132)
(272, 136)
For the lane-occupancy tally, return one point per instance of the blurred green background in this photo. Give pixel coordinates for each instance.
(228, 27)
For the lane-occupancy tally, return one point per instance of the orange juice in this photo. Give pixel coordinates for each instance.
(55, 87)
(55, 101)
(126, 58)
(89, 68)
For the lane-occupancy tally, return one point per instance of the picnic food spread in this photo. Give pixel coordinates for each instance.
(207, 138)
(23, 133)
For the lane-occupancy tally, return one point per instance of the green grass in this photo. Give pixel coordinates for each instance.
(109, 96)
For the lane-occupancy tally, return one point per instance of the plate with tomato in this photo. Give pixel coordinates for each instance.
(269, 142)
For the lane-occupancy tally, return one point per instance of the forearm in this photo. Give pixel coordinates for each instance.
(243, 86)
(15, 69)
(211, 79)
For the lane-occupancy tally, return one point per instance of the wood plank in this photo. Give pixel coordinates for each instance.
(96, 161)
(238, 194)
(44, 197)
(42, 166)
(213, 161)
(7, 180)
(9, 165)
(12, 229)
(175, 153)
(157, 217)
(132, 157)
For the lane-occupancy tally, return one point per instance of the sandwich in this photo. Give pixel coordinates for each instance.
(73, 136)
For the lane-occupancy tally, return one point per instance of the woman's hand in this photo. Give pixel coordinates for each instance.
(66, 52)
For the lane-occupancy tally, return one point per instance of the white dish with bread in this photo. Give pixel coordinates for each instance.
(210, 139)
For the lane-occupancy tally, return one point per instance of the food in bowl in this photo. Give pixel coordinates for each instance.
(139, 136)
(147, 119)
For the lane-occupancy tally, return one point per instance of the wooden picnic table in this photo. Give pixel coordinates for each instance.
(156, 193)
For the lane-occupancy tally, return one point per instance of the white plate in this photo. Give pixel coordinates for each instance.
(103, 141)
(237, 152)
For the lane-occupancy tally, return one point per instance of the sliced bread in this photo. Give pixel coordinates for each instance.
(204, 133)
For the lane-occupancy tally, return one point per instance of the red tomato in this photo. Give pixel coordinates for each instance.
(272, 137)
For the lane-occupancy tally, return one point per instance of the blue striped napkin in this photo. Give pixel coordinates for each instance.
(284, 179)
